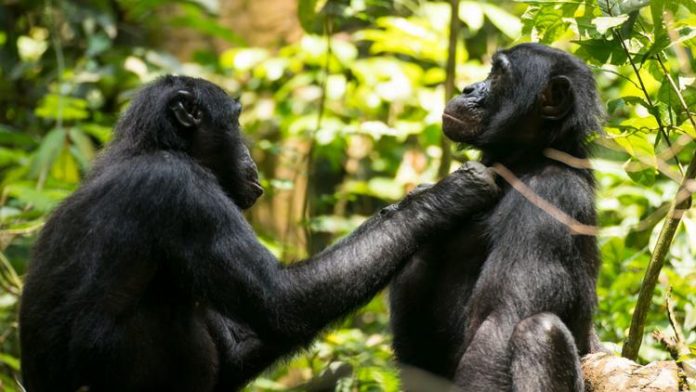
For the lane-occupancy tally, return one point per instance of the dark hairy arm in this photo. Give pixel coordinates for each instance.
(236, 275)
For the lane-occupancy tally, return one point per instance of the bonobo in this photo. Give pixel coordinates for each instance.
(504, 302)
(149, 278)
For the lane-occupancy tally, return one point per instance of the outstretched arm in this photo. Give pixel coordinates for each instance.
(236, 274)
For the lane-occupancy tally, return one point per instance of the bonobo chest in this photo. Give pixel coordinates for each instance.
(429, 297)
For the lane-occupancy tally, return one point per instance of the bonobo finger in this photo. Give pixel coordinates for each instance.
(478, 172)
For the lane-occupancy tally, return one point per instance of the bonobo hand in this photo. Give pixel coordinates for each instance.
(470, 189)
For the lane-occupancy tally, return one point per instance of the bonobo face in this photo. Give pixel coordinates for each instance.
(210, 119)
(527, 87)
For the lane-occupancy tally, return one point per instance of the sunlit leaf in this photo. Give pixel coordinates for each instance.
(604, 23)
(509, 24)
(54, 106)
(471, 13)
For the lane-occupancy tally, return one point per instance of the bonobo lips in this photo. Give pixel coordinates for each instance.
(460, 127)
(447, 116)
(256, 187)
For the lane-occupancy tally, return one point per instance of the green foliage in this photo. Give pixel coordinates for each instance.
(374, 70)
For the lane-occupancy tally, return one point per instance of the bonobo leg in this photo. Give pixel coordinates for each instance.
(544, 356)
(539, 354)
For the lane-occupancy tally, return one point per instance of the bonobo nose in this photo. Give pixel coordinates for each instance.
(468, 89)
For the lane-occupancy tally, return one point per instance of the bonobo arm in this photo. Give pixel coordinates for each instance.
(350, 272)
(224, 264)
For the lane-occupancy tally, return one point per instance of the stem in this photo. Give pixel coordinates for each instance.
(450, 70)
(679, 205)
(312, 143)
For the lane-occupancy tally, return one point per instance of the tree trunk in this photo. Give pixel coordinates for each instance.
(609, 373)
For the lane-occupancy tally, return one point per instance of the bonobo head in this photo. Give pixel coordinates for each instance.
(196, 117)
(534, 97)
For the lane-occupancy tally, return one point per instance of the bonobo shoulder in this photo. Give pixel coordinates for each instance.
(158, 180)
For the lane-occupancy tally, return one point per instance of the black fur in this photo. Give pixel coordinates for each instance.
(149, 278)
(505, 301)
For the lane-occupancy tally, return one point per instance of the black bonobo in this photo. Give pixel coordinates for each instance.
(505, 301)
(149, 278)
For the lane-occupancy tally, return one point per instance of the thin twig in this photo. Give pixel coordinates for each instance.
(450, 70)
(312, 143)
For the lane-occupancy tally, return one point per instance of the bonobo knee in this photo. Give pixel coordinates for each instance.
(541, 330)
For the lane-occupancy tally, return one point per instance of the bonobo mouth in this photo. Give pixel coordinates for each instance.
(448, 116)
(256, 187)
(460, 128)
(251, 193)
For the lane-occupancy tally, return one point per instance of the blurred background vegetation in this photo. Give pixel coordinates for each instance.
(342, 107)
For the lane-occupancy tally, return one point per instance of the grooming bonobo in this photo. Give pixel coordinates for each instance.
(149, 278)
(504, 302)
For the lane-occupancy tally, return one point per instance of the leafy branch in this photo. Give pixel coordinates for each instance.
(680, 204)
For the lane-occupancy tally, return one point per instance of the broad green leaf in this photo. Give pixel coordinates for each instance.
(82, 142)
(99, 132)
(65, 168)
(548, 22)
(604, 23)
(42, 200)
(197, 19)
(636, 144)
(51, 146)
(640, 172)
(509, 24)
(472, 14)
(54, 106)
(10, 361)
(618, 7)
(602, 51)
(10, 156)
(308, 14)
(12, 137)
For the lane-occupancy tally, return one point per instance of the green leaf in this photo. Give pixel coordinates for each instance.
(42, 200)
(9, 156)
(309, 15)
(55, 106)
(12, 137)
(83, 144)
(604, 23)
(618, 7)
(548, 22)
(601, 51)
(10, 361)
(640, 172)
(48, 151)
(65, 168)
(509, 24)
(470, 12)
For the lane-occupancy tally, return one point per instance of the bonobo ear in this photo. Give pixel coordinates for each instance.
(557, 98)
(185, 110)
